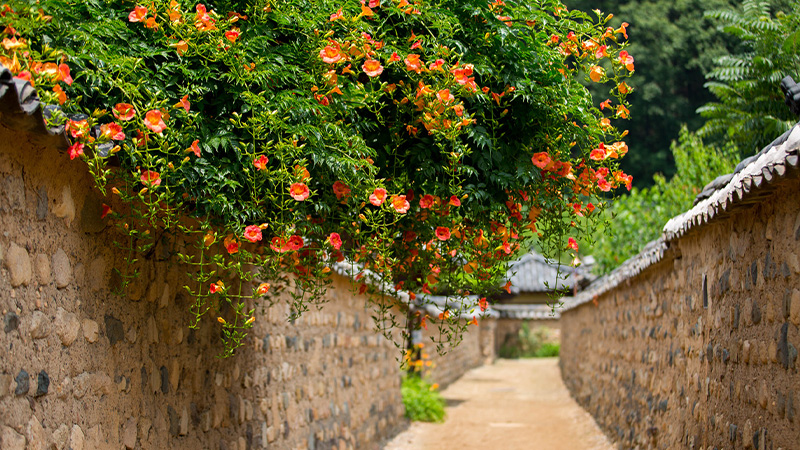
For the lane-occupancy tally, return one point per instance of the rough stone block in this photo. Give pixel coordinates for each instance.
(40, 325)
(62, 269)
(10, 322)
(129, 433)
(12, 440)
(42, 384)
(23, 383)
(794, 307)
(37, 437)
(91, 330)
(43, 271)
(97, 274)
(77, 440)
(115, 331)
(65, 208)
(67, 326)
(18, 263)
(61, 436)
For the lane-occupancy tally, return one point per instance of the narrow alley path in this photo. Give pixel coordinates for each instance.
(512, 404)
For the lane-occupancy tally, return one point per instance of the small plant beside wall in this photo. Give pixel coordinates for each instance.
(421, 398)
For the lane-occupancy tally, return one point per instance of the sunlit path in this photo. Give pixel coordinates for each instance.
(512, 404)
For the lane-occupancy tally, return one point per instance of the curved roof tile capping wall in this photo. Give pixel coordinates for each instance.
(750, 183)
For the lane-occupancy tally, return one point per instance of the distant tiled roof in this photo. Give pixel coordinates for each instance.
(533, 273)
(526, 312)
(750, 183)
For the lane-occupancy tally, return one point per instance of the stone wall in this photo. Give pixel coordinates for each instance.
(85, 369)
(476, 349)
(699, 350)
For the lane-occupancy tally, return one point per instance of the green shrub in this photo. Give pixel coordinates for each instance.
(548, 349)
(422, 401)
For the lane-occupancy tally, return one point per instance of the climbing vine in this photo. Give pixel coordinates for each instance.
(417, 145)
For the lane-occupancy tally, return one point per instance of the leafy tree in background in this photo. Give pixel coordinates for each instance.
(748, 114)
(674, 45)
(750, 111)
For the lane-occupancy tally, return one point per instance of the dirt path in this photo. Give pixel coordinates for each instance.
(512, 404)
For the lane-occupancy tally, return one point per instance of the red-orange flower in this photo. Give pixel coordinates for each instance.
(252, 233)
(262, 288)
(596, 73)
(154, 121)
(123, 111)
(219, 286)
(335, 240)
(454, 201)
(626, 60)
(299, 191)
(106, 211)
(150, 178)
(231, 244)
(394, 57)
(599, 153)
(338, 15)
(541, 160)
(400, 204)
(195, 148)
(442, 233)
(413, 63)
(572, 244)
(436, 65)
(181, 47)
(426, 201)
(232, 35)
(261, 162)
(75, 150)
(63, 73)
(278, 244)
(372, 68)
(112, 131)
(604, 185)
(331, 54)
(341, 190)
(483, 304)
(77, 128)
(138, 14)
(295, 243)
(184, 103)
(60, 94)
(378, 196)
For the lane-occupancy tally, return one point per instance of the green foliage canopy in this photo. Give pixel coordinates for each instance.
(749, 111)
(424, 141)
